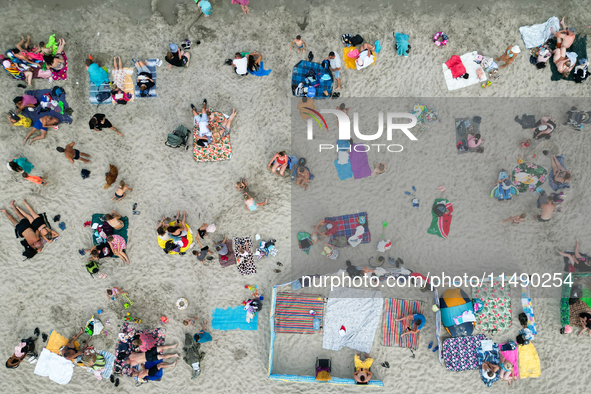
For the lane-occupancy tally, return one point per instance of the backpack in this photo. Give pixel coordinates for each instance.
(56, 92)
(325, 63)
(92, 267)
(103, 96)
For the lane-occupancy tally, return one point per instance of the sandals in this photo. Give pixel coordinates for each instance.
(277, 271)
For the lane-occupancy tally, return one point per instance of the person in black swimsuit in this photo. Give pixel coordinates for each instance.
(99, 122)
(151, 355)
(73, 154)
(69, 350)
(28, 227)
(145, 374)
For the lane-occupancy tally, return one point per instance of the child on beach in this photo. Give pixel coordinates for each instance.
(524, 143)
(243, 5)
(113, 292)
(299, 43)
(516, 219)
(188, 322)
(241, 185)
(35, 179)
(120, 192)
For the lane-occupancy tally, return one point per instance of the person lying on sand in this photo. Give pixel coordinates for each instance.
(560, 175)
(145, 374)
(73, 154)
(114, 220)
(577, 258)
(250, 204)
(516, 219)
(153, 354)
(41, 125)
(563, 63)
(201, 120)
(69, 352)
(28, 226)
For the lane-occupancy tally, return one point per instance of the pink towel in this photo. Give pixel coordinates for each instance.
(456, 66)
(513, 357)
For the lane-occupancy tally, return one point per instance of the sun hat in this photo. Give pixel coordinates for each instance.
(174, 48)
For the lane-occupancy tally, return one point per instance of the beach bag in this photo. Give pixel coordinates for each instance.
(92, 267)
(56, 92)
(325, 63)
(354, 54)
(356, 40)
(103, 96)
(29, 252)
(439, 209)
(346, 39)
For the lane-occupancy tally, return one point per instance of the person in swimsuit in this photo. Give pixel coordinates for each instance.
(118, 246)
(145, 374)
(516, 219)
(418, 322)
(153, 354)
(69, 351)
(113, 292)
(179, 230)
(73, 154)
(162, 228)
(547, 204)
(120, 192)
(564, 65)
(41, 125)
(544, 128)
(509, 56)
(251, 204)
(576, 258)
(279, 163)
(241, 185)
(561, 174)
(565, 37)
(28, 226)
(203, 230)
(114, 220)
(99, 122)
(362, 374)
(365, 53)
(225, 126)
(299, 43)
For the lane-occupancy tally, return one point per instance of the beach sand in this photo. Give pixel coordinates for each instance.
(54, 291)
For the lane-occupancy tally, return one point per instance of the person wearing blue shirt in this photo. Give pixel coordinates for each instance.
(202, 336)
(20, 164)
(418, 322)
(205, 7)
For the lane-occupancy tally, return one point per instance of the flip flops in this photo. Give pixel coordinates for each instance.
(430, 345)
(279, 264)
(436, 348)
(385, 364)
(378, 46)
(277, 271)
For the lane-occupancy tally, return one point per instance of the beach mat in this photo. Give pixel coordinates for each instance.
(96, 218)
(529, 362)
(346, 225)
(496, 313)
(247, 265)
(232, 319)
(39, 112)
(359, 164)
(301, 69)
(528, 176)
(292, 313)
(465, 126)
(261, 72)
(126, 76)
(151, 63)
(440, 225)
(528, 309)
(344, 171)
(513, 357)
(579, 47)
(231, 256)
(461, 353)
(392, 330)
(218, 151)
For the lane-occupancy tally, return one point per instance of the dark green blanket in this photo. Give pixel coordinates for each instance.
(579, 47)
(96, 218)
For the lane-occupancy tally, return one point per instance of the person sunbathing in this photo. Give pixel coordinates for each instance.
(69, 352)
(565, 37)
(58, 62)
(516, 219)
(279, 162)
(564, 64)
(560, 175)
(225, 126)
(365, 53)
(41, 125)
(489, 370)
(144, 78)
(576, 257)
(153, 354)
(418, 322)
(145, 374)
(28, 225)
(113, 219)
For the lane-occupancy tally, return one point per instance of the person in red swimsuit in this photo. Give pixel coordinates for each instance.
(279, 162)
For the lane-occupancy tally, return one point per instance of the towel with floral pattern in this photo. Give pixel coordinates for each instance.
(528, 176)
(461, 353)
(496, 313)
(492, 356)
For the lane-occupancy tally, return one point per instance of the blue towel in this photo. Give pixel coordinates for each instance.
(95, 90)
(151, 63)
(401, 44)
(232, 319)
(343, 170)
(261, 72)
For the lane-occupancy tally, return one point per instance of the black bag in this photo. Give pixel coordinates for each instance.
(310, 56)
(29, 251)
(56, 92)
(103, 96)
(523, 320)
(356, 40)
(439, 209)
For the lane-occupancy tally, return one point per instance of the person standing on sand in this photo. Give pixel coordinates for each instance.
(73, 154)
(299, 43)
(243, 5)
(335, 66)
(204, 6)
(251, 205)
(547, 204)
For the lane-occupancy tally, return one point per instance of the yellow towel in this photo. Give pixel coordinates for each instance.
(529, 362)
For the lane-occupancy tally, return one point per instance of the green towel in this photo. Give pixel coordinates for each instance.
(579, 47)
(96, 218)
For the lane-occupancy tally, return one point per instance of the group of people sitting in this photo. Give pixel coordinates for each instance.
(44, 61)
(245, 62)
(174, 235)
(108, 243)
(211, 126)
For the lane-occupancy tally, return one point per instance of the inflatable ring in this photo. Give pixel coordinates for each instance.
(182, 304)
(162, 243)
(440, 39)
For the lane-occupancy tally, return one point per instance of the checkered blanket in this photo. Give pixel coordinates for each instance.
(299, 75)
(347, 224)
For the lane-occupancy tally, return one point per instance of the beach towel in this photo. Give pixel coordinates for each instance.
(109, 363)
(527, 307)
(513, 357)
(492, 356)
(536, 35)
(392, 330)
(233, 318)
(402, 44)
(261, 72)
(55, 367)
(529, 362)
(455, 65)
(55, 342)
(97, 218)
(359, 163)
(292, 313)
(217, 151)
(151, 64)
(464, 127)
(124, 81)
(304, 241)
(496, 312)
(246, 264)
(358, 312)
(579, 47)
(344, 169)
(468, 65)
(40, 112)
(231, 256)
(125, 347)
(96, 90)
(440, 225)
(461, 353)
(528, 176)
(298, 76)
(347, 224)
(555, 186)
(575, 309)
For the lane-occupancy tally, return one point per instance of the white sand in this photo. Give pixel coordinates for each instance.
(53, 291)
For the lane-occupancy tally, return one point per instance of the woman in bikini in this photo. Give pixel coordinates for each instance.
(179, 230)
(28, 225)
(561, 174)
(69, 351)
(120, 192)
(58, 63)
(563, 63)
(576, 257)
(118, 246)
(279, 162)
(113, 219)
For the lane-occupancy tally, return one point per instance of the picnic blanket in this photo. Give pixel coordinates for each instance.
(465, 126)
(302, 68)
(217, 151)
(469, 66)
(125, 347)
(233, 318)
(513, 357)
(292, 313)
(392, 330)
(492, 356)
(39, 112)
(55, 367)
(536, 35)
(97, 218)
(246, 264)
(343, 161)
(528, 176)
(358, 312)
(151, 64)
(124, 81)
(359, 163)
(555, 186)
(529, 362)
(440, 224)
(346, 225)
(231, 255)
(496, 313)
(579, 47)
(461, 353)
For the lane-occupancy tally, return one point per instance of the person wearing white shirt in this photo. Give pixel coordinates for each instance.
(240, 64)
(335, 66)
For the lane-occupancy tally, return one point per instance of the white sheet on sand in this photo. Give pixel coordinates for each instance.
(471, 68)
(535, 35)
(55, 367)
(359, 311)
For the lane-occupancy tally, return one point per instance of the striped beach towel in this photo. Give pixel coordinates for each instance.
(292, 313)
(124, 81)
(392, 330)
